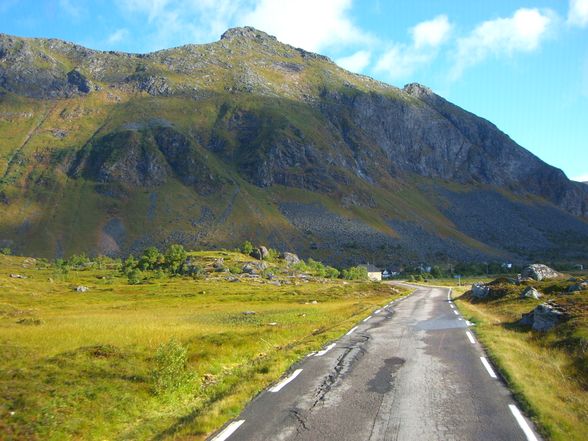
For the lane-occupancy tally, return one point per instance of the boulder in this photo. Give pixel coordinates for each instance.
(263, 251)
(480, 291)
(256, 254)
(219, 264)
(290, 258)
(539, 272)
(531, 293)
(583, 286)
(543, 317)
(17, 276)
(254, 267)
(82, 288)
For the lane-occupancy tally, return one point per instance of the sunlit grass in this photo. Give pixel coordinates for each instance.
(79, 365)
(539, 368)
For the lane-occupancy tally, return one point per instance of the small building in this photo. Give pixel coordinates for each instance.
(374, 273)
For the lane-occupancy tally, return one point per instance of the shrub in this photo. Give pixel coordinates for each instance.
(6, 251)
(331, 273)
(135, 276)
(151, 259)
(175, 257)
(171, 373)
(355, 273)
(247, 247)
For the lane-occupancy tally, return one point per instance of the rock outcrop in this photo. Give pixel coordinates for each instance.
(539, 272)
(249, 138)
(480, 291)
(531, 293)
(544, 317)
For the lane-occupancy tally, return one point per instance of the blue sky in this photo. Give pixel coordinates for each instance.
(521, 64)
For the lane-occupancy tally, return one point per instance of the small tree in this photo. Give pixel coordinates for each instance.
(151, 259)
(175, 257)
(247, 247)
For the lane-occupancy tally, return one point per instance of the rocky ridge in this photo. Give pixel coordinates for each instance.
(248, 116)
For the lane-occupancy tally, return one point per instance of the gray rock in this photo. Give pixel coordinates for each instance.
(248, 313)
(219, 264)
(254, 267)
(480, 291)
(539, 272)
(263, 251)
(18, 276)
(583, 286)
(543, 317)
(82, 288)
(531, 293)
(290, 258)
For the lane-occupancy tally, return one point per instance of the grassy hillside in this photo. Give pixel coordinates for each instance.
(548, 372)
(172, 357)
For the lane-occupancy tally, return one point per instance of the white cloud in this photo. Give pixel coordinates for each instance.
(356, 62)
(522, 32)
(117, 36)
(402, 60)
(581, 178)
(313, 25)
(431, 33)
(578, 13)
(310, 24)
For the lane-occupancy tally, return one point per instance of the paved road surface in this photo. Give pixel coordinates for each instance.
(413, 371)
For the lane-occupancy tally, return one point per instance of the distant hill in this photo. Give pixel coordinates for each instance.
(249, 138)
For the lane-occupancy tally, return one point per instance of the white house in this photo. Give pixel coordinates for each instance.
(374, 273)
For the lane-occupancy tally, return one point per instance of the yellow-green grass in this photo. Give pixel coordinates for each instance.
(78, 365)
(545, 371)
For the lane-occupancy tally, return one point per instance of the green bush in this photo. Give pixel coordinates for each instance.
(135, 276)
(331, 273)
(247, 247)
(355, 273)
(151, 259)
(175, 257)
(6, 251)
(171, 373)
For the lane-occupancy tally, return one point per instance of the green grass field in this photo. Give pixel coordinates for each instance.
(548, 372)
(172, 358)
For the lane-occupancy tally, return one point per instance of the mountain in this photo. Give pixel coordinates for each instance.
(249, 138)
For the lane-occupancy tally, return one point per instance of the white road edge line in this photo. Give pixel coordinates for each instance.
(521, 420)
(229, 430)
(324, 351)
(351, 330)
(377, 311)
(488, 367)
(367, 318)
(452, 307)
(278, 387)
(455, 312)
(470, 337)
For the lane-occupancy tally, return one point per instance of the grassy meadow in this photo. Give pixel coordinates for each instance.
(168, 358)
(548, 372)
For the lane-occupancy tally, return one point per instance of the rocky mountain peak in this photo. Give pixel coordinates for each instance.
(246, 33)
(418, 90)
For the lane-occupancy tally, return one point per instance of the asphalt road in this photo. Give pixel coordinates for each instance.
(413, 371)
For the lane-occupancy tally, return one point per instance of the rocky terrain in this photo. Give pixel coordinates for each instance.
(249, 138)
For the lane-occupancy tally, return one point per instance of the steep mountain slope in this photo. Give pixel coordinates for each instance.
(246, 137)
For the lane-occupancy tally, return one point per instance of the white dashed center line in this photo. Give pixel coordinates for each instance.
(521, 420)
(470, 337)
(228, 431)
(488, 367)
(324, 351)
(351, 330)
(278, 387)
